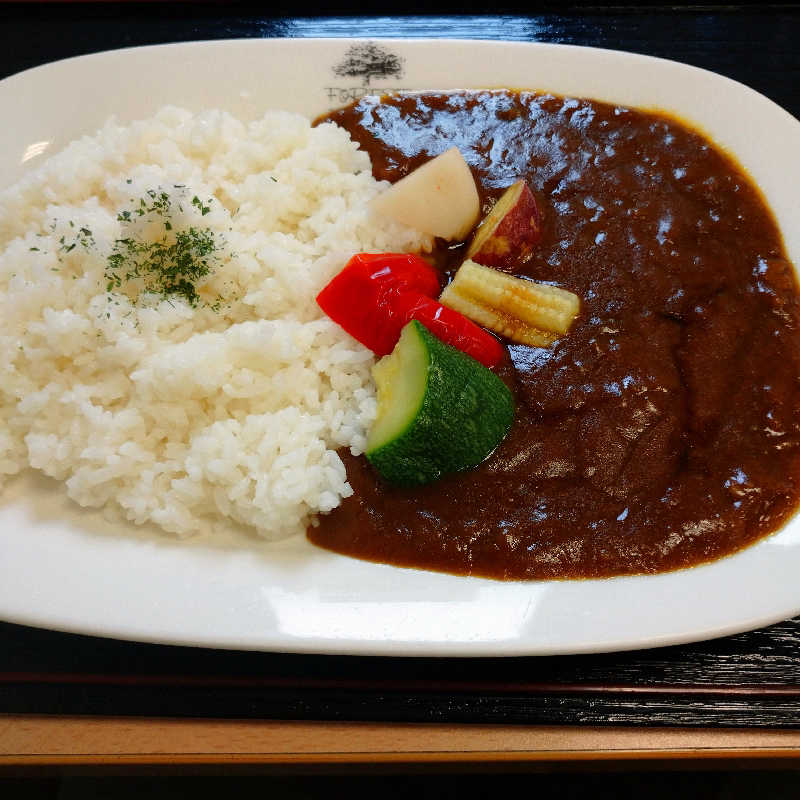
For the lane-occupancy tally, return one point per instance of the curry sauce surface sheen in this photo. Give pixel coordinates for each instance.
(662, 431)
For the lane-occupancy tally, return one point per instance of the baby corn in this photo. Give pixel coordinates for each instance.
(525, 312)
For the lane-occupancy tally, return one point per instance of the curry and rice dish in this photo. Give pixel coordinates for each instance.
(586, 356)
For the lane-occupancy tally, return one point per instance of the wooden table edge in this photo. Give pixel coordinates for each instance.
(353, 759)
(38, 741)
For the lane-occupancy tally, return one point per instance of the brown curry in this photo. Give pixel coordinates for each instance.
(662, 431)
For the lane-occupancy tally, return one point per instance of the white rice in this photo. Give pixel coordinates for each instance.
(190, 417)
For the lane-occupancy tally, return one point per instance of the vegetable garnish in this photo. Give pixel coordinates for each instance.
(450, 326)
(527, 312)
(362, 297)
(506, 237)
(439, 198)
(375, 296)
(439, 411)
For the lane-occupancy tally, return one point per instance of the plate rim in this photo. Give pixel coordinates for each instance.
(386, 647)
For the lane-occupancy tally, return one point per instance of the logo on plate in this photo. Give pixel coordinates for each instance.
(365, 62)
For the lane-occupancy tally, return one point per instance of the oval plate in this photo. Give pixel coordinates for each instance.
(67, 569)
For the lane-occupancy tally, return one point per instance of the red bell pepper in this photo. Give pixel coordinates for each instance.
(375, 296)
(451, 326)
(398, 270)
(358, 297)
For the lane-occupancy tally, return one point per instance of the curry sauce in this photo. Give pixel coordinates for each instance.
(662, 431)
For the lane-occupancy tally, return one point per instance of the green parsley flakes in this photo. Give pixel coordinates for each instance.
(170, 266)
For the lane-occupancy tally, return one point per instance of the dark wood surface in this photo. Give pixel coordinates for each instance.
(752, 679)
(749, 679)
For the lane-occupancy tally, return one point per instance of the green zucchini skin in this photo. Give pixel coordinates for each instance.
(466, 411)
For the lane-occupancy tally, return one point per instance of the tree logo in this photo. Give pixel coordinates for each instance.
(369, 61)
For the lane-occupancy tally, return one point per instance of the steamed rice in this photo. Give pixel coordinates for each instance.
(190, 417)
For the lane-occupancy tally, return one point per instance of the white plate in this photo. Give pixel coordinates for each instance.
(62, 568)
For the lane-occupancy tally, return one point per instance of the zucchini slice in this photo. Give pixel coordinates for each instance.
(439, 411)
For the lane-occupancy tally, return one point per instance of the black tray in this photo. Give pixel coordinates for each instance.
(752, 679)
